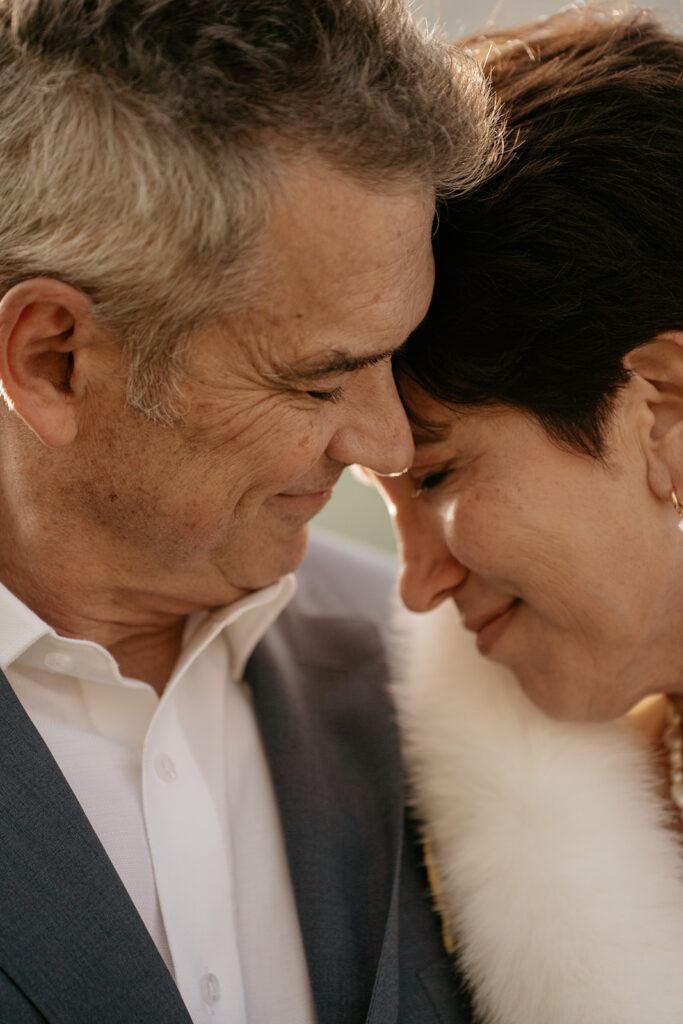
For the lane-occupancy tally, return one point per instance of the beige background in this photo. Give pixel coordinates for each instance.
(356, 510)
(460, 16)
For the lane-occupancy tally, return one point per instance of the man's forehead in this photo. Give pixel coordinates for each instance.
(350, 276)
(324, 225)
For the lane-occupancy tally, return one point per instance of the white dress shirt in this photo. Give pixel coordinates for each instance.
(178, 791)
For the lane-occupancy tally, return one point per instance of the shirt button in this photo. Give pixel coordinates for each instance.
(58, 661)
(210, 989)
(164, 767)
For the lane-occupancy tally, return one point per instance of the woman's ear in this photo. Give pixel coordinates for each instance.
(659, 365)
(44, 323)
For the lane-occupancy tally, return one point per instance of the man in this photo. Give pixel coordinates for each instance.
(215, 232)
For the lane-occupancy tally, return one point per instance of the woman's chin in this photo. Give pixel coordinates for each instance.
(568, 704)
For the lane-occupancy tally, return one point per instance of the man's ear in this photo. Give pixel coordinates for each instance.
(659, 365)
(43, 325)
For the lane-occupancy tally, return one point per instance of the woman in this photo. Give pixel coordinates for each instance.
(546, 393)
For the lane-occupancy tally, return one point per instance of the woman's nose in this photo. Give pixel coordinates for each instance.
(430, 572)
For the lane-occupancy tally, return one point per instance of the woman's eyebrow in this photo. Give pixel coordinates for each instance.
(432, 434)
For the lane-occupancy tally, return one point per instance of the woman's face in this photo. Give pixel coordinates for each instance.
(564, 566)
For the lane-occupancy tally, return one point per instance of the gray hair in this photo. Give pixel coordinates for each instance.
(140, 143)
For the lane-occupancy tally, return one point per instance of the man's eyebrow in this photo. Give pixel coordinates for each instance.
(333, 362)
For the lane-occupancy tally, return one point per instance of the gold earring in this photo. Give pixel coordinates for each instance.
(678, 507)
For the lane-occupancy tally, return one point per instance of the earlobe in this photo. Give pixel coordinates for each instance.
(658, 367)
(41, 328)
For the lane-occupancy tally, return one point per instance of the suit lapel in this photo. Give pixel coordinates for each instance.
(70, 937)
(335, 768)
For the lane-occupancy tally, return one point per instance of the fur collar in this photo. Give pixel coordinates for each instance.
(558, 878)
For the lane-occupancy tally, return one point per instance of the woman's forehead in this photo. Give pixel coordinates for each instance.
(430, 420)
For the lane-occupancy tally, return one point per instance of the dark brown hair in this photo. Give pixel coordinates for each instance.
(570, 255)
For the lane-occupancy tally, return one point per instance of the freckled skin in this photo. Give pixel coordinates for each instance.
(592, 556)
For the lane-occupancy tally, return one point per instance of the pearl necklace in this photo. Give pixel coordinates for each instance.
(673, 740)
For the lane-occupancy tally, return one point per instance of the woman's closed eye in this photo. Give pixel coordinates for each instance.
(430, 481)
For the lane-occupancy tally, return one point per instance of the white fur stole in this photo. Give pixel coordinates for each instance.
(560, 882)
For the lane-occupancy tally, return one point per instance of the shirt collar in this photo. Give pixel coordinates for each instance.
(20, 628)
(243, 623)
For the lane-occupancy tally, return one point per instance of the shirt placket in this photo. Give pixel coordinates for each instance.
(192, 863)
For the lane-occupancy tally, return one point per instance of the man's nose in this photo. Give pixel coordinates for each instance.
(377, 433)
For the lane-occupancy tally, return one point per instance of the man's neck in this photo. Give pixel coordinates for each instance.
(86, 581)
(141, 631)
(150, 657)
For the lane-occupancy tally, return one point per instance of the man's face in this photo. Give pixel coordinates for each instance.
(279, 398)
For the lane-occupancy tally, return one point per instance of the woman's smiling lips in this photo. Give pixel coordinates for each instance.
(490, 625)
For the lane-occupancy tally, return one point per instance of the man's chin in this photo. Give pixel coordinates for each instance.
(277, 559)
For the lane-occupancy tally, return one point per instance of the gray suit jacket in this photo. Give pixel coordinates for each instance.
(73, 949)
